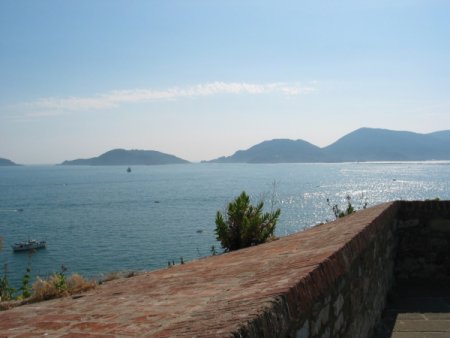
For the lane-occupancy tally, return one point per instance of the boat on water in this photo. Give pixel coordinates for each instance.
(31, 244)
(129, 170)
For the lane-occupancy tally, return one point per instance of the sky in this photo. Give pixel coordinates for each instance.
(201, 79)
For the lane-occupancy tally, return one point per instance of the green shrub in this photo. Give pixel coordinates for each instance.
(339, 213)
(245, 225)
(6, 291)
(26, 287)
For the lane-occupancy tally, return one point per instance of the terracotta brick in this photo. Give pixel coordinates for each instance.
(93, 326)
(85, 335)
(49, 325)
(23, 335)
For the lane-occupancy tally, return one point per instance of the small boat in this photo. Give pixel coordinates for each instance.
(129, 170)
(31, 244)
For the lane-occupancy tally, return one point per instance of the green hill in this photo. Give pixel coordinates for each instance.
(367, 144)
(5, 162)
(275, 151)
(362, 145)
(129, 157)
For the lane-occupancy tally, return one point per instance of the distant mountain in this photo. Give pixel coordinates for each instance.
(129, 157)
(276, 151)
(367, 144)
(442, 135)
(362, 145)
(5, 162)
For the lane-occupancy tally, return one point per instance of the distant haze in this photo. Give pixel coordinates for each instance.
(362, 145)
(203, 79)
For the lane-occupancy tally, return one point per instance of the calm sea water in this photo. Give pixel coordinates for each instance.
(97, 220)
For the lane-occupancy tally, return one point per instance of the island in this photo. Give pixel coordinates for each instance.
(128, 157)
(7, 163)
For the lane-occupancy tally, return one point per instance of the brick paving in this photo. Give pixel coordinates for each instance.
(206, 298)
(417, 311)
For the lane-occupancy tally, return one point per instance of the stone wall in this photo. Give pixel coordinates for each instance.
(424, 242)
(410, 244)
(352, 304)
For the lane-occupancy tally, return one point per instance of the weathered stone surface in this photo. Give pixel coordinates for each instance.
(321, 320)
(411, 223)
(338, 324)
(422, 326)
(440, 225)
(419, 335)
(303, 332)
(423, 250)
(338, 305)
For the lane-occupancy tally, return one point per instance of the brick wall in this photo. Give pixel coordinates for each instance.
(353, 304)
(345, 295)
(424, 242)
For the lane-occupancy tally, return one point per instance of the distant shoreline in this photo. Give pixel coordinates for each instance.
(225, 163)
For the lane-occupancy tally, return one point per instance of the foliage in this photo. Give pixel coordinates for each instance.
(111, 276)
(58, 285)
(26, 288)
(245, 225)
(213, 250)
(339, 213)
(118, 275)
(6, 291)
(60, 280)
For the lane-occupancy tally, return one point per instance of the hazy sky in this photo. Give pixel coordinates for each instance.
(200, 79)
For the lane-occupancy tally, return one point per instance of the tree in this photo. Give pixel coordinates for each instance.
(245, 225)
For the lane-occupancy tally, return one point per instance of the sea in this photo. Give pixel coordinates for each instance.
(99, 220)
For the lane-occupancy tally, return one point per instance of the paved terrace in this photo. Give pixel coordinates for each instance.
(417, 311)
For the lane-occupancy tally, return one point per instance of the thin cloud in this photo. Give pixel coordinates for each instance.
(116, 98)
